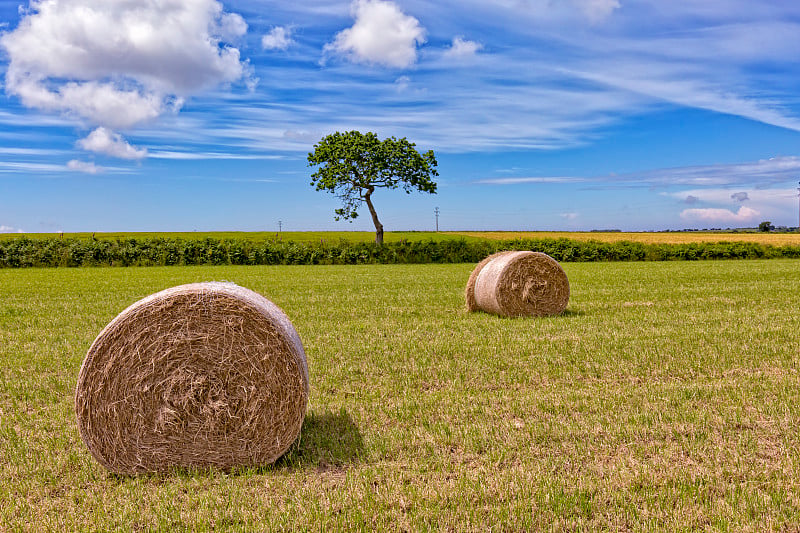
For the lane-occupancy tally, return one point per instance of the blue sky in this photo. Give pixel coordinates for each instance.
(181, 115)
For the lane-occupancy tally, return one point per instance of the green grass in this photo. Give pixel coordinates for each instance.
(665, 398)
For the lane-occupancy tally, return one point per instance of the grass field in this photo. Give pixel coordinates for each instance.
(775, 239)
(666, 398)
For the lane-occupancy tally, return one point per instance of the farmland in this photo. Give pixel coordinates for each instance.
(255, 236)
(145, 249)
(666, 397)
(682, 237)
(671, 237)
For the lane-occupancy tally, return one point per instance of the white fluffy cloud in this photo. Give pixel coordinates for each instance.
(381, 35)
(118, 63)
(104, 141)
(725, 216)
(725, 207)
(9, 229)
(86, 167)
(279, 38)
(462, 49)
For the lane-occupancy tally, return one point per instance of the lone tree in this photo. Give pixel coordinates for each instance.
(766, 226)
(353, 165)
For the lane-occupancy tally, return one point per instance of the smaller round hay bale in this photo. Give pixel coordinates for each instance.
(472, 305)
(518, 284)
(195, 376)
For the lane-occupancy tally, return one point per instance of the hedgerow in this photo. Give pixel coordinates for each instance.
(71, 252)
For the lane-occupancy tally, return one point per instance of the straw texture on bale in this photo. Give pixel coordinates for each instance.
(195, 376)
(472, 305)
(518, 284)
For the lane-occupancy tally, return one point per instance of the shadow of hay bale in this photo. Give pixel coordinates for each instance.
(328, 439)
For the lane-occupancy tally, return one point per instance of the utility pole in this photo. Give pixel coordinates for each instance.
(280, 225)
(436, 212)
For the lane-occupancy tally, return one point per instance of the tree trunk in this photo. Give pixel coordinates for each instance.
(378, 225)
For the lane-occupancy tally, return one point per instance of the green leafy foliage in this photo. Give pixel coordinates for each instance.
(353, 164)
(70, 252)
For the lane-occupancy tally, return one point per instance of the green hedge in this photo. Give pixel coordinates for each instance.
(69, 252)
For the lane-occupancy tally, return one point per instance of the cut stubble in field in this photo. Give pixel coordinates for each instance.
(665, 397)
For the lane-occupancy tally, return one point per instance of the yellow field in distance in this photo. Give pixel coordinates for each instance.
(684, 237)
(332, 237)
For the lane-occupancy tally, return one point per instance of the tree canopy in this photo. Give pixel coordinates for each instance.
(766, 226)
(353, 165)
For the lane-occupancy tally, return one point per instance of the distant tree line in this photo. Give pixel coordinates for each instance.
(71, 252)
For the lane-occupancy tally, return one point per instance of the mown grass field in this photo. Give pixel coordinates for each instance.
(666, 398)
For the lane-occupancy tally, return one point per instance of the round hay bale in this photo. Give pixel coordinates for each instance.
(518, 284)
(472, 305)
(195, 376)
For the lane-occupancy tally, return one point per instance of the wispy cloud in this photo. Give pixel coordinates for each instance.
(678, 86)
(30, 119)
(199, 156)
(533, 179)
(522, 97)
(545, 12)
(764, 173)
(559, 76)
(22, 166)
(598, 10)
(33, 152)
(402, 83)
(87, 167)
(717, 192)
(50, 169)
(310, 136)
(9, 229)
(248, 180)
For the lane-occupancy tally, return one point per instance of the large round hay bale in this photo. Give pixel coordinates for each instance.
(518, 284)
(195, 376)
